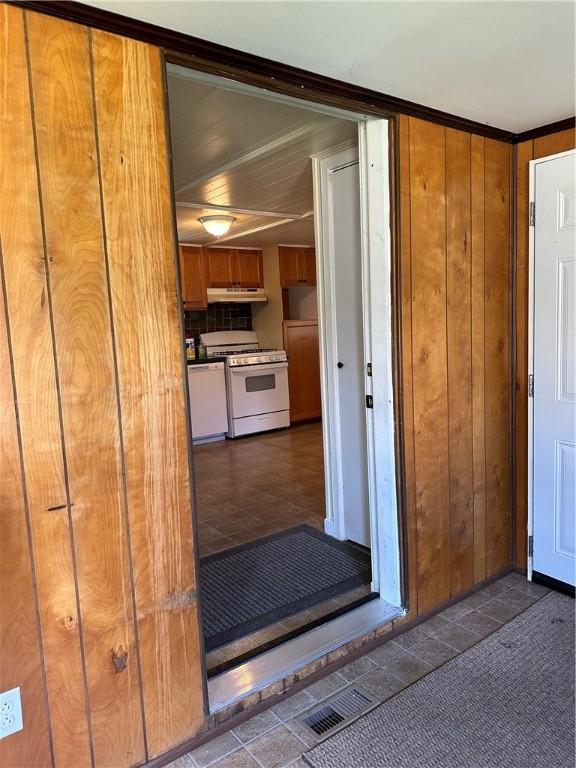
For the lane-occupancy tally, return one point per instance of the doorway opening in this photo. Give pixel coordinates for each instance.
(290, 388)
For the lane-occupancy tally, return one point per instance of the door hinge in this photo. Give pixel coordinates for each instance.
(369, 401)
(531, 385)
(532, 214)
(530, 546)
(369, 369)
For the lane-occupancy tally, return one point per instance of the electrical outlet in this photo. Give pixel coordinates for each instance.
(10, 712)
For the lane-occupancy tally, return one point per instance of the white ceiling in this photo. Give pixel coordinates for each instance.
(235, 151)
(506, 64)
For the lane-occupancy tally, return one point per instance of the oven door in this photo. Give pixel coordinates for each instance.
(257, 389)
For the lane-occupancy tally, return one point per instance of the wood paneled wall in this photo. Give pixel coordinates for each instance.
(98, 611)
(526, 151)
(455, 201)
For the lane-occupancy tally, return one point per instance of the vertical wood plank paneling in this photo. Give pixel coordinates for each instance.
(497, 350)
(524, 153)
(478, 400)
(78, 286)
(20, 646)
(454, 193)
(35, 382)
(554, 143)
(459, 333)
(455, 227)
(428, 256)
(131, 124)
(407, 387)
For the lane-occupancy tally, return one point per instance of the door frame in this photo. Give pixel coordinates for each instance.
(532, 165)
(376, 149)
(377, 182)
(371, 153)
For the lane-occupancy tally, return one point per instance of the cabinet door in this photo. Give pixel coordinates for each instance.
(220, 267)
(301, 345)
(193, 277)
(288, 266)
(310, 261)
(248, 272)
(306, 266)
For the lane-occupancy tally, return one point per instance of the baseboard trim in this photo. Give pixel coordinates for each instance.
(329, 528)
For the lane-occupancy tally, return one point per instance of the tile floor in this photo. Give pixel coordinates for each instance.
(256, 486)
(276, 738)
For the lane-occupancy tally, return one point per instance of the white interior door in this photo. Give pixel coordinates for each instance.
(345, 193)
(342, 270)
(554, 368)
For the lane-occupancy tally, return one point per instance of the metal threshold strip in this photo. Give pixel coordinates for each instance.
(232, 686)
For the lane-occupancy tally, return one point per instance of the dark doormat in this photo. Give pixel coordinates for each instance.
(266, 580)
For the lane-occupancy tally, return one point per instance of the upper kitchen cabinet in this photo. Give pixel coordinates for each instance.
(193, 277)
(297, 266)
(220, 267)
(234, 268)
(249, 269)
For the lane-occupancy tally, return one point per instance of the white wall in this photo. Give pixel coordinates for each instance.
(267, 318)
(303, 303)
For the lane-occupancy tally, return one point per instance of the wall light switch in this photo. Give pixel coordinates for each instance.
(10, 712)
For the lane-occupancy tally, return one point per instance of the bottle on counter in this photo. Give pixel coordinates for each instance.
(202, 353)
(190, 349)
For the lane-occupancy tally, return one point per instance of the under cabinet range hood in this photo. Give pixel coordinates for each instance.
(238, 295)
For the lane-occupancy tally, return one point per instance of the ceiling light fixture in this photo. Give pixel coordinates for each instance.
(217, 225)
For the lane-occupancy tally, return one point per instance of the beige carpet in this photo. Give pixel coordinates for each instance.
(508, 702)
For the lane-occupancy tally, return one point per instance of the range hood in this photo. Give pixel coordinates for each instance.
(237, 295)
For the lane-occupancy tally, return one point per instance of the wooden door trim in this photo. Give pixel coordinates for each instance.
(406, 578)
(182, 324)
(513, 350)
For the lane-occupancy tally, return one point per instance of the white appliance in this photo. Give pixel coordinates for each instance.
(208, 408)
(236, 295)
(256, 382)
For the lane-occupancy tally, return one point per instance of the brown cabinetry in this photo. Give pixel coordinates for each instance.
(248, 269)
(297, 266)
(219, 267)
(301, 345)
(193, 277)
(234, 268)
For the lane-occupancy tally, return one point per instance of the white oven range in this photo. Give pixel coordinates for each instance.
(256, 382)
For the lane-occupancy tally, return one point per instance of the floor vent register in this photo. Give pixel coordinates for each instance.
(338, 712)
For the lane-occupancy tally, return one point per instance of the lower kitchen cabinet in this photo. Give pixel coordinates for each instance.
(302, 348)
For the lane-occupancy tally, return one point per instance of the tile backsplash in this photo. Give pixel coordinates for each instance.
(218, 317)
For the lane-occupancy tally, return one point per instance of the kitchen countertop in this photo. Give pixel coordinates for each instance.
(203, 361)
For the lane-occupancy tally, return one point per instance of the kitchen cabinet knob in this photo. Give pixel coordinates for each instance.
(340, 365)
